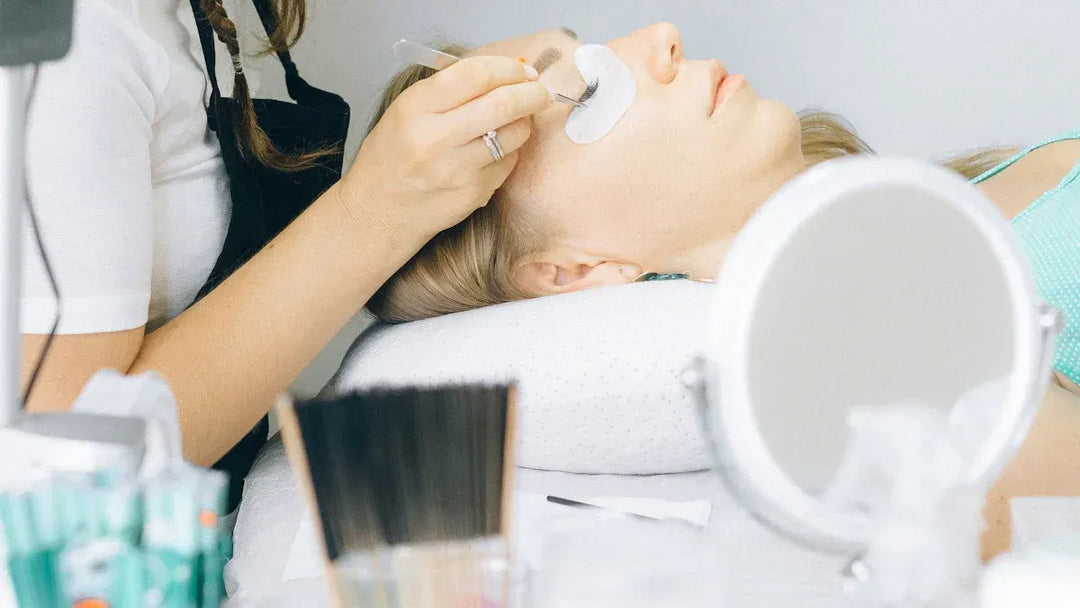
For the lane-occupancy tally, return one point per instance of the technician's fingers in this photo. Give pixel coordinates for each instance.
(492, 176)
(465, 81)
(499, 107)
(476, 153)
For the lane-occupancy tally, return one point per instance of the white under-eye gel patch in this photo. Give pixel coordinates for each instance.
(599, 64)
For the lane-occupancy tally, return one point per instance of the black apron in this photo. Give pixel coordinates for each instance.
(265, 201)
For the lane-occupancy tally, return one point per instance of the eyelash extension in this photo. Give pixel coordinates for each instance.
(589, 91)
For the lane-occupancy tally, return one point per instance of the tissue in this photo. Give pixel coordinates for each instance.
(600, 559)
(905, 467)
(146, 396)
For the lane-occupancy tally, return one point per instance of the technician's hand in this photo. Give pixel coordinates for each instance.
(425, 167)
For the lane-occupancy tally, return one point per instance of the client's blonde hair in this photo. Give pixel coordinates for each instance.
(470, 265)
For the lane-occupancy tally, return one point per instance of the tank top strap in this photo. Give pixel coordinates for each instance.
(1070, 134)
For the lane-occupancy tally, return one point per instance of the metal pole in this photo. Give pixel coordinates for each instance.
(13, 91)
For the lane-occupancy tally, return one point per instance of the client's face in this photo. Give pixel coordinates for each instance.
(665, 190)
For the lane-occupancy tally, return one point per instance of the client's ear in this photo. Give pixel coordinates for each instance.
(552, 275)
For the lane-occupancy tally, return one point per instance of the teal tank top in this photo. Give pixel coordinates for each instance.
(1049, 231)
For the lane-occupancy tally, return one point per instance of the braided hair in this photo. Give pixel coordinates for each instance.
(291, 16)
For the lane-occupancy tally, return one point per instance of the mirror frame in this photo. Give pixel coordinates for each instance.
(752, 474)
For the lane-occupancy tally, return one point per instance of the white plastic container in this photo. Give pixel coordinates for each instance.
(1045, 575)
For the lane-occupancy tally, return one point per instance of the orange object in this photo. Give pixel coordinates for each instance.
(207, 519)
(90, 602)
(521, 59)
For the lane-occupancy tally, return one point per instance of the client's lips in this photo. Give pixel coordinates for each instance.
(723, 84)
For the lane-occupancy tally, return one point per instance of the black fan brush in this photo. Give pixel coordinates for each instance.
(423, 468)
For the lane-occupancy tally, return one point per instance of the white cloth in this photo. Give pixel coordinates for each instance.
(126, 178)
(1038, 520)
(276, 558)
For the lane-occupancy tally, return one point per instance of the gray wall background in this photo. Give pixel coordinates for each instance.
(926, 78)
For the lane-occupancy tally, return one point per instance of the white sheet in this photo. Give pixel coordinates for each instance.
(275, 560)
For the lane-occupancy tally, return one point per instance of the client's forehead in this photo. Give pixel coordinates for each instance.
(529, 46)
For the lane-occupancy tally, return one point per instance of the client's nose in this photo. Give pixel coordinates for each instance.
(654, 52)
(664, 50)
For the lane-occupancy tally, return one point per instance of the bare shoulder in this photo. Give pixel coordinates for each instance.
(1047, 464)
(1029, 178)
(1065, 383)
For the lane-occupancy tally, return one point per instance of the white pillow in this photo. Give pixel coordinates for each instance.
(597, 371)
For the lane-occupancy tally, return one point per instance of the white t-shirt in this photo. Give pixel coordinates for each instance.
(126, 178)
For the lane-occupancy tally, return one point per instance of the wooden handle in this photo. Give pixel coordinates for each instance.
(297, 453)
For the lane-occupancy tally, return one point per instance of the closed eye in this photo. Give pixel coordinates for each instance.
(589, 91)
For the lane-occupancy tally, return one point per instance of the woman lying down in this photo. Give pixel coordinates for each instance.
(660, 172)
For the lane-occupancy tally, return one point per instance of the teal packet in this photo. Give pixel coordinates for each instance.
(212, 501)
(121, 504)
(105, 571)
(32, 564)
(102, 563)
(104, 540)
(170, 538)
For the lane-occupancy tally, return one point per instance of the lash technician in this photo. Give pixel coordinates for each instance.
(211, 237)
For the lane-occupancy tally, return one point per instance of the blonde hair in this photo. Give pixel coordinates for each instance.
(470, 265)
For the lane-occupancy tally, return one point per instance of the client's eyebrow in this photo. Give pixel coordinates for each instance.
(546, 58)
(552, 54)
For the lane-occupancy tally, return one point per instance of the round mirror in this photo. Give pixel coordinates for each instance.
(866, 283)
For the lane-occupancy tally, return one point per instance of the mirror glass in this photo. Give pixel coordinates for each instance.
(856, 312)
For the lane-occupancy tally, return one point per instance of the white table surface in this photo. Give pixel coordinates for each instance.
(275, 565)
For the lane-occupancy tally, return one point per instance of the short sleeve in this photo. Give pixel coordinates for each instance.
(89, 132)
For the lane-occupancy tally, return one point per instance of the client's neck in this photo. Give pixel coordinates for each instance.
(703, 261)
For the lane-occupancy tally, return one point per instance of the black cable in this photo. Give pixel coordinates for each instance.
(41, 250)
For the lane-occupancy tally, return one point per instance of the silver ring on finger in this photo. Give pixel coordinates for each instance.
(492, 141)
